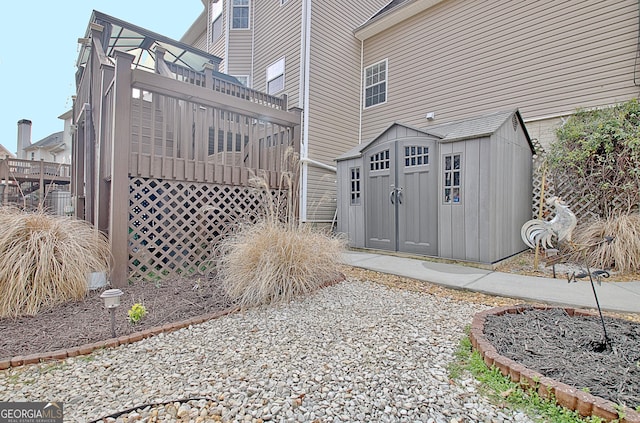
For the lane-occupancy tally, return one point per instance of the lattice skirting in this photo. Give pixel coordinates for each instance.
(581, 207)
(175, 227)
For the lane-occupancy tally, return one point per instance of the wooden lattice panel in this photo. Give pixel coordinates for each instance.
(174, 227)
(582, 208)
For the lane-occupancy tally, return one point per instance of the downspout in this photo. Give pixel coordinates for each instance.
(225, 69)
(361, 92)
(304, 148)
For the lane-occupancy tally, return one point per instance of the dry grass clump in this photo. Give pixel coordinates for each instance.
(623, 254)
(271, 261)
(277, 258)
(45, 259)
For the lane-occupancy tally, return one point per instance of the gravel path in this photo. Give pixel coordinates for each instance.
(353, 352)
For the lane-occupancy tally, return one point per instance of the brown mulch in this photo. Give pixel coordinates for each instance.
(171, 300)
(82, 322)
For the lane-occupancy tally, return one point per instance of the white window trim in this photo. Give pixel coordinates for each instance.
(274, 71)
(364, 82)
(231, 27)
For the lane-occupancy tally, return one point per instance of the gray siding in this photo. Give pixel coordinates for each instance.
(350, 216)
(201, 41)
(461, 58)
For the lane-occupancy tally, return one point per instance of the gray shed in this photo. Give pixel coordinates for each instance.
(460, 190)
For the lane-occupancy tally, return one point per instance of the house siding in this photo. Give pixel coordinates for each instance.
(334, 92)
(277, 35)
(461, 58)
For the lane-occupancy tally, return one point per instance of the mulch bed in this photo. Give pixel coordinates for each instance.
(571, 349)
(82, 322)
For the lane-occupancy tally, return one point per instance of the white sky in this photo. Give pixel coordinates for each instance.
(38, 52)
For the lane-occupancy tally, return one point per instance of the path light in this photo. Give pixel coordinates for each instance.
(111, 302)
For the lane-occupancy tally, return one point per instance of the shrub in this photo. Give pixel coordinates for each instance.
(597, 155)
(45, 259)
(276, 258)
(623, 253)
(136, 312)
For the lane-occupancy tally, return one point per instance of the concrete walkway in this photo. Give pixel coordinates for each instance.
(613, 296)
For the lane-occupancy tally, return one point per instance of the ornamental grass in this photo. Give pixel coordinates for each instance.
(276, 258)
(622, 254)
(45, 260)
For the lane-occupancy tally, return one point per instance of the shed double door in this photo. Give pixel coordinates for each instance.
(401, 197)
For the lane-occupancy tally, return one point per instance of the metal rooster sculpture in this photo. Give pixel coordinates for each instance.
(540, 232)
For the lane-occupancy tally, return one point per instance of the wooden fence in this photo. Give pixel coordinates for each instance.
(162, 161)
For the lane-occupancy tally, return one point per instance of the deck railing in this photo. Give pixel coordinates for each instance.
(154, 151)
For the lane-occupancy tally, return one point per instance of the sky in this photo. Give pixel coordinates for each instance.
(39, 48)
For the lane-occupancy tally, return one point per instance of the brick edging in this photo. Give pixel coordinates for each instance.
(85, 349)
(584, 403)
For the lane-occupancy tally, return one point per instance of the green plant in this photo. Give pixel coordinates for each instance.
(597, 153)
(276, 258)
(45, 260)
(136, 313)
(502, 390)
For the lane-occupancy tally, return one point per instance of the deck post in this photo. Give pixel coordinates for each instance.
(119, 210)
(42, 187)
(208, 69)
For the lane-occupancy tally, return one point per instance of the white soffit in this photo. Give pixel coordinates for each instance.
(393, 17)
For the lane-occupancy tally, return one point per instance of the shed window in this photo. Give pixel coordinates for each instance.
(355, 185)
(375, 84)
(240, 14)
(380, 161)
(452, 182)
(416, 155)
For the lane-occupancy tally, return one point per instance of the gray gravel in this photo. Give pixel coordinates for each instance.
(353, 352)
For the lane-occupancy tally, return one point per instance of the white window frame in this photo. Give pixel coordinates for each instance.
(275, 71)
(452, 191)
(216, 19)
(376, 82)
(233, 8)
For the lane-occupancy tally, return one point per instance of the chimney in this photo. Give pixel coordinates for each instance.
(24, 137)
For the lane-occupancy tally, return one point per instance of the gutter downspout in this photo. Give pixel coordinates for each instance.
(306, 160)
(361, 90)
(304, 148)
(225, 69)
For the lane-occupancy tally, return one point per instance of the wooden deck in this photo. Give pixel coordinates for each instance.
(20, 178)
(153, 151)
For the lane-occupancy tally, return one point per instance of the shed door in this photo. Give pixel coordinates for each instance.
(401, 206)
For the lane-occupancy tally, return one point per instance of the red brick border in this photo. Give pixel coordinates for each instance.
(85, 349)
(574, 399)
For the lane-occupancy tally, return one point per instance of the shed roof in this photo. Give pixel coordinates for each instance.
(480, 126)
(476, 127)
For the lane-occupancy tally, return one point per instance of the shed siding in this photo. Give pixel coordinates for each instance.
(350, 216)
(334, 89)
(460, 58)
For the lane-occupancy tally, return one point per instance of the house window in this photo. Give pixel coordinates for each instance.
(375, 84)
(216, 21)
(416, 155)
(275, 77)
(452, 192)
(380, 161)
(355, 186)
(240, 14)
